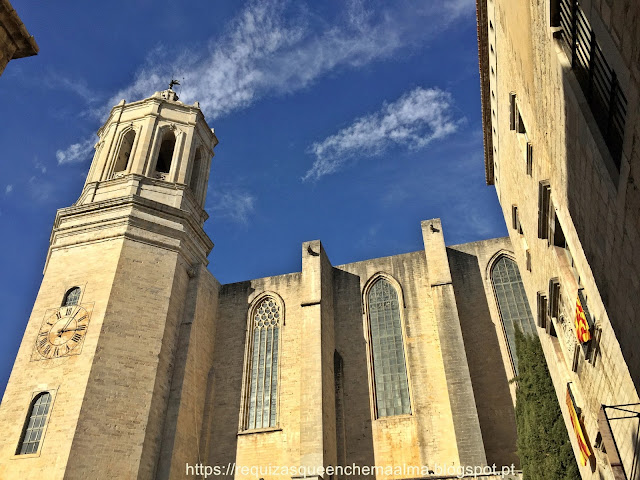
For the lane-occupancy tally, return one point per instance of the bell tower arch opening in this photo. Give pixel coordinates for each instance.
(165, 154)
(123, 159)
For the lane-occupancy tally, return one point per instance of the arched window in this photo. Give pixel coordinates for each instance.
(163, 165)
(72, 297)
(196, 172)
(261, 407)
(512, 303)
(34, 424)
(387, 349)
(124, 154)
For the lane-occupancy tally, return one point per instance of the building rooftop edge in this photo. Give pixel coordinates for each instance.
(26, 45)
(362, 261)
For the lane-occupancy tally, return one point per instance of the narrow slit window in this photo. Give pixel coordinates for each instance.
(512, 110)
(34, 424)
(387, 347)
(544, 205)
(529, 165)
(261, 411)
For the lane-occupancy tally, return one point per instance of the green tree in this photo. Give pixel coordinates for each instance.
(543, 443)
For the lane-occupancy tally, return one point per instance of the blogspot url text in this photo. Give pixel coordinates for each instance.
(406, 471)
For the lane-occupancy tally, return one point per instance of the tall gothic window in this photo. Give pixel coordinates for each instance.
(71, 297)
(387, 349)
(34, 424)
(261, 408)
(512, 303)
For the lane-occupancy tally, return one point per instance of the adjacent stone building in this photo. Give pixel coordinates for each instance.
(15, 41)
(137, 363)
(561, 111)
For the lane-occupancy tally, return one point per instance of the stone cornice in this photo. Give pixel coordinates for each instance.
(158, 101)
(132, 217)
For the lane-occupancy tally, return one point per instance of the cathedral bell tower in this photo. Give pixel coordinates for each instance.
(92, 382)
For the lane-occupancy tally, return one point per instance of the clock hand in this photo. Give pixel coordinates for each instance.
(70, 318)
(69, 329)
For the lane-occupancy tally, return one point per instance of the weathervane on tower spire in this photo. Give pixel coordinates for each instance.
(172, 83)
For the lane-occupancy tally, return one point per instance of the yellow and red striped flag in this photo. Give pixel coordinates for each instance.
(578, 429)
(582, 326)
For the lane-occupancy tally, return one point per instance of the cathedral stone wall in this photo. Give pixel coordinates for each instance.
(325, 390)
(279, 446)
(485, 345)
(427, 436)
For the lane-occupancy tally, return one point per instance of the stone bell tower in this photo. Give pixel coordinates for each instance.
(91, 387)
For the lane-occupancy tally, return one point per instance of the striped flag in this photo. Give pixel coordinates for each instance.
(578, 429)
(582, 325)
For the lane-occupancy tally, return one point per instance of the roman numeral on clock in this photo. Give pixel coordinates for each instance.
(76, 337)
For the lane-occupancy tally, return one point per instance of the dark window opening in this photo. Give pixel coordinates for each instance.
(554, 298)
(512, 110)
(554, 11)
(544, 206)
(165, 155)
(542, 310)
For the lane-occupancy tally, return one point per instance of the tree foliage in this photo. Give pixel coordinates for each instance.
(543, 443)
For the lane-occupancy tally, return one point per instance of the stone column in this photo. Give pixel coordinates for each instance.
(317, 395)
(463, 406)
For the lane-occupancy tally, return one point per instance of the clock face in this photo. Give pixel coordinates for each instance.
(62, 332)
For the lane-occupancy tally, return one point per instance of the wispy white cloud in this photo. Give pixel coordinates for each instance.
(236, 206)
(40, 188)
(77, 86)
(276, 47)
(40, 166)
(262, 53)
(413, 121)
(77, 152)
(8, 189)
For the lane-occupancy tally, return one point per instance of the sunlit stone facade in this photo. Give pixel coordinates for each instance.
(137, 362)
(560, 86)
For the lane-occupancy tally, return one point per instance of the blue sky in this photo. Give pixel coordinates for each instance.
(347, 122)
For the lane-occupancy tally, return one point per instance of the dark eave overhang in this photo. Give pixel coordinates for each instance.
(485, 88)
